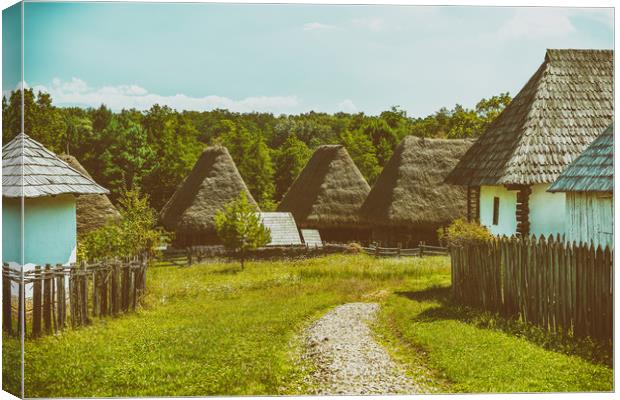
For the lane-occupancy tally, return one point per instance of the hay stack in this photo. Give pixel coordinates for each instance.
(327, 195)
(409, 201)
(93, 210)
(213, 182)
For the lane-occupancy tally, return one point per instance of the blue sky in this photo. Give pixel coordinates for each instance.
(294, 58)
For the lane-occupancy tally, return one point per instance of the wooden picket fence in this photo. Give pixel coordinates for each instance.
(71, 295)
(565, 288)
(421, 251)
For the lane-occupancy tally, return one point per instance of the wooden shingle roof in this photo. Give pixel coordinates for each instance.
(30, 170)
(561, 109)
(593, 170)
(283, 228)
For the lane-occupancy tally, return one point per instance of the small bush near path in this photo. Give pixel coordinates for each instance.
(211, 329)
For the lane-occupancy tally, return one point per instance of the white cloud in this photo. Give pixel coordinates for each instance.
(317, 26)
(537, 23)
(77, 92)
(347, 106)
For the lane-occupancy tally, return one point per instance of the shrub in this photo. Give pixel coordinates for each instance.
(461, 232)
(240, 228)
(134, 234)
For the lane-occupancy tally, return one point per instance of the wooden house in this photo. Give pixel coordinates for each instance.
(588, 184)
(282, 227)
(327, 196)
(213, 182)
(410, 201)
(39, 193)
(93, 210)
(556, 115)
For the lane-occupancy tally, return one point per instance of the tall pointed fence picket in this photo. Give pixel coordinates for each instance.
(562, 287)
(59, 296)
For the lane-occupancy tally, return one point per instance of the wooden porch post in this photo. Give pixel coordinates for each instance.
(523, 208)
(473, 203)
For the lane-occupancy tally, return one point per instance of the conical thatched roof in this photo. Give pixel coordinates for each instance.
(213, 183)
(410, 190)
(564, 106)
(328, 192)
(31, 170)
(93, 210)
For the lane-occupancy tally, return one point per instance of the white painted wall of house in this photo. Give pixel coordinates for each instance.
(590, 218)
(507, 221)
(547, 210)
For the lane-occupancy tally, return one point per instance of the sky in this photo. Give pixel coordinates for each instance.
(292, 58)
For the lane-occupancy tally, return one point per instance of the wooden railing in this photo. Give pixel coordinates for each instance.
(420, 251)
(561, 287)
(75, 293)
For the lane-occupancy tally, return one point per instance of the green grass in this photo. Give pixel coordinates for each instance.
(211, 329)
(472, 351)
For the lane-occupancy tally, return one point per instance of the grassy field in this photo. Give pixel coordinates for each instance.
(212, 329)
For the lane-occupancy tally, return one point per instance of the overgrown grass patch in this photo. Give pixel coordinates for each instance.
(475, 352)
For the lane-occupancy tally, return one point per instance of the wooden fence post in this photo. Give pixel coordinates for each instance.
(421, 245)
(6, 300)
(398, 249)
(72, 296)
(36, 302)
(60, 293)
(47, 300)
(83, 293)
(377, 251)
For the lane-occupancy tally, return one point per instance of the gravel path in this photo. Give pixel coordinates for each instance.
(347, 358)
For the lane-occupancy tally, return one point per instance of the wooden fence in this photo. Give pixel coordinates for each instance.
(564, 288)
(420, 251)
(70, 295)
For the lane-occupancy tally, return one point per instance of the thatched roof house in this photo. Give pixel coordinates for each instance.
(213, 182)
(561, 109)
(410, 200)
(93, 210)
(327, 195)
(588, 184)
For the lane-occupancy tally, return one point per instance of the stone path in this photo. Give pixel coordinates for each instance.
(347, 358)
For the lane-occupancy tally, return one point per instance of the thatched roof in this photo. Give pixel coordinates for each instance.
(93, 210)
(31, 170)
(328, 192)
(411, 191)
(561, 109)
(593, 170)
(213, 183)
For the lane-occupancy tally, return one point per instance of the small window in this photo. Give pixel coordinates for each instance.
(495, 210)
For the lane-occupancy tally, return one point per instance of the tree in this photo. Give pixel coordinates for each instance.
(253, 160)
(363, 153)
(239, 227)
(289, 161)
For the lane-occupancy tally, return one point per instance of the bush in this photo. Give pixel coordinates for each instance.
(239, 227)
(134, 234)
(461, 232)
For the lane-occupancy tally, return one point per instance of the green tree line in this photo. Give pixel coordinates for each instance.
(154, 150)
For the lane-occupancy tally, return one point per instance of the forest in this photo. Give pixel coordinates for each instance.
(154, 150)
